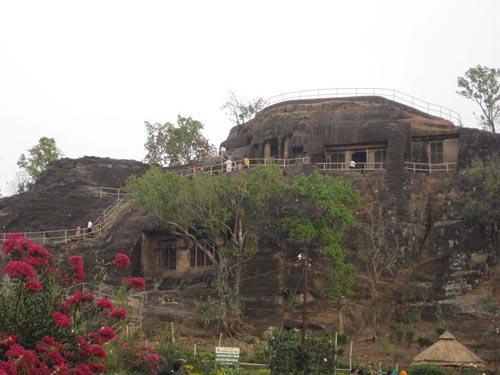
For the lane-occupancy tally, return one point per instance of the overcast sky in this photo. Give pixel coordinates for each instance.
(89, 73)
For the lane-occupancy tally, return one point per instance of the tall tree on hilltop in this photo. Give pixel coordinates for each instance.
(481, 85)
(37, 160)
(171, 145)
(239, 110)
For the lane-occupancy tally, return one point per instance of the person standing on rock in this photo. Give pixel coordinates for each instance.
(229, 165)
(89, 227)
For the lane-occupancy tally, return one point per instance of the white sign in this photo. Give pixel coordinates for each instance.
(226, 355)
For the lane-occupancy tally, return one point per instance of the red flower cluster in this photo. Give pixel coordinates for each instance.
(36, 277)
(136, 283)
(104, 304)
(61, 320)
(76, 265)
(33, 286)
(118, 313)
(19, 268)
(121, 260)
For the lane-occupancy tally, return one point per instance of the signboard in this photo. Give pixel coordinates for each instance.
(226, 355)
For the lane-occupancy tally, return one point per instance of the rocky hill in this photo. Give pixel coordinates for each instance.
(443, 269)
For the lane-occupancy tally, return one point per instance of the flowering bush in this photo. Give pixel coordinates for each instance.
(48, 324)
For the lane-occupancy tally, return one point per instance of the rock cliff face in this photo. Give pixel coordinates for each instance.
(443, 263)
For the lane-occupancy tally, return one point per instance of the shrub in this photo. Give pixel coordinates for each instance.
(341, 339)
(424, 341)
(288, 356)
(426, 370)
(48, 323)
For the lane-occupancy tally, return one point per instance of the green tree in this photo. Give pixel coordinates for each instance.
(181, 144)
(481, 85)
(377, 252)
(239, 110)
(37, 160)
(220, 215)
(316, 225)
(480, 203)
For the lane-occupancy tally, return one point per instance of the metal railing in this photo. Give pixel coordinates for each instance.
(102, 191)
(371, 166)
(395, 95)
(430, 167)
(241, 164)
(105, 220)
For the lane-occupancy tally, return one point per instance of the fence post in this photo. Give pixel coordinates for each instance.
(100, 192)
(65, 235)
(335, 354)
(43, 238)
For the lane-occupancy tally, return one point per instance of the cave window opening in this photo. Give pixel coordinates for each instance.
(337, 158)
(360, 158)
(380, 158)
(298, 151)
(274, 148)
(437, 154)
(198, 258)
(168, 255)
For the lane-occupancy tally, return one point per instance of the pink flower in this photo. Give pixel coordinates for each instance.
(118, 313)
(7, 367)
(84, 345)
(48, 344)
(97, 367)
(78, 298)
(104, 304)
(153, 357)
(57, 358)
(136, 283)
(17, 268)
(82, 370)
(76, 264)
(121, 260)
(25, 359)
(16, 244)
(97, 351)
(107, 334)
(42, 370)
(33, 286)
(61, 369)
(61, 320)
(7, 340)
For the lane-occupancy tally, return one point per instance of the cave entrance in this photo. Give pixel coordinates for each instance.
(360, 158)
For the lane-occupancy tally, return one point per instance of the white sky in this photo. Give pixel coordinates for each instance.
(89, 73)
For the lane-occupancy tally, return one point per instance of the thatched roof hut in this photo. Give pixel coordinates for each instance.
(447, 351)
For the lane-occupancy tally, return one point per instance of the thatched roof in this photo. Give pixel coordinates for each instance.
(447, 351)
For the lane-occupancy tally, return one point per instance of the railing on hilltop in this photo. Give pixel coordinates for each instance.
(109, 214)
(345, 167)
(395, 95)
(430, 167)
(103, 222)
(241, 164)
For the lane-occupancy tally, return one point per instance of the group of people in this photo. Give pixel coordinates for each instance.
(230, 164)
(87, 230)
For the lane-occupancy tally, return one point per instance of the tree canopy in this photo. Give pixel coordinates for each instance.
(224, 215)
(481, 85)
(37, 160)
(181, 144)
